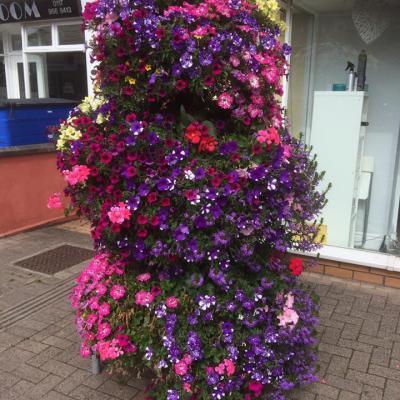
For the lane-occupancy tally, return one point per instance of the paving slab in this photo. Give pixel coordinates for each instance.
(358, 349)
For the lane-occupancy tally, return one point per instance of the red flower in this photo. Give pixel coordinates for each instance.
(165, 202)
(256, 388)
(195, 131)
(152, 197)
(235, 157)
(211, 171)
(106, 158)
(131, 117)
(181, 84)
(215, 182)
(91, 130)
(142, 220)
(128, 91)
(131, 172)
(209, 80)
(155, 291)
(257, 149)
(296, 266)
(142, 233)
(160, 33)
(155, 221)
(94, 171)
(216, 69)
(208, 144)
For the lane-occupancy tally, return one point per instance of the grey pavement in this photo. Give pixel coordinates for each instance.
(359, 335)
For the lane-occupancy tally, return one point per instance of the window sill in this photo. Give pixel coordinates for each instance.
(26, 150)
(365, 258)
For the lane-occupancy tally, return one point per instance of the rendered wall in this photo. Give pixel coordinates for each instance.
(26, 181)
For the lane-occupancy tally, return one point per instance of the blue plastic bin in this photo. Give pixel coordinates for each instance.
(24, 122)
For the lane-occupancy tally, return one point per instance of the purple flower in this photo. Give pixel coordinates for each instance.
(186, 60)
(181, 232)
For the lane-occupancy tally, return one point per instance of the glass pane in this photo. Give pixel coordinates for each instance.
(355, 134)
(21, 82)
(70, 34)
(39, 36)
(33, 79)
(66, 74)
(3, 87)
(300, 64)
(16, 42)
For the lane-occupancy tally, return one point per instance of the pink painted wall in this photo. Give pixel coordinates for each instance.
(26, 181)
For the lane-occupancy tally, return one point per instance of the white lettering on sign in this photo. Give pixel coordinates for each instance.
(4, 13)
(17, 12)
(29, 10)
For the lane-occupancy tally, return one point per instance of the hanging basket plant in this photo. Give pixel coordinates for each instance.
(195, 191)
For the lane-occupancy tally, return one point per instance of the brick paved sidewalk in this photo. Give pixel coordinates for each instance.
(359, 349)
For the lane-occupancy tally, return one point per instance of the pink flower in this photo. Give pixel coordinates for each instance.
(256, 388)
(181, 368)
(144, 298)
(54, 201)
(220, 369)
(187, 388)
(101, 289)
(78, 174)
(234, 61)
(187, 359)
(230, 367)
(254, 81)
(85, 351)
(104, 309)
(108, 350)
(117, 292)
(118, 214)
(288, 316)
(104, 330)
(172, 302)
(270, 136)
(225, 101)
(143, 277)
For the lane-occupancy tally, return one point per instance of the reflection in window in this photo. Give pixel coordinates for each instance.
(70, 34)
(39, 36)
(33, 80)
(66, 74)
(16, 43)
(3, 86)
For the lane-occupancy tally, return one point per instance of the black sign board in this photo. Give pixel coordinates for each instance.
(36, 10)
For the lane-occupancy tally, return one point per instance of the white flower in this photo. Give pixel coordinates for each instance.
(189, 175)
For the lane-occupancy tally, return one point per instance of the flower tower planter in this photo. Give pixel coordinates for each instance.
(195, 191)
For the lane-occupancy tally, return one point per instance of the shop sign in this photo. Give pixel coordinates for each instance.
(36, 10)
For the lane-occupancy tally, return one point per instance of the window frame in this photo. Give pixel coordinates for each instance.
(54, 48)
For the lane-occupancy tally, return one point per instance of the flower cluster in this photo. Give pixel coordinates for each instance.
(195, 191)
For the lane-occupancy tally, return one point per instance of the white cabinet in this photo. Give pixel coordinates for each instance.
(337, 137)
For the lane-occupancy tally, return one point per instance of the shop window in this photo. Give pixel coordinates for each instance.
(39, 36)
(354, 129)
(66, 75)
(70, 34)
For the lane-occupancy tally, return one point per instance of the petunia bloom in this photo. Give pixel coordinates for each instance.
(54, 201)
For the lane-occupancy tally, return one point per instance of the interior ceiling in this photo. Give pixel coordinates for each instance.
(326, 6)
